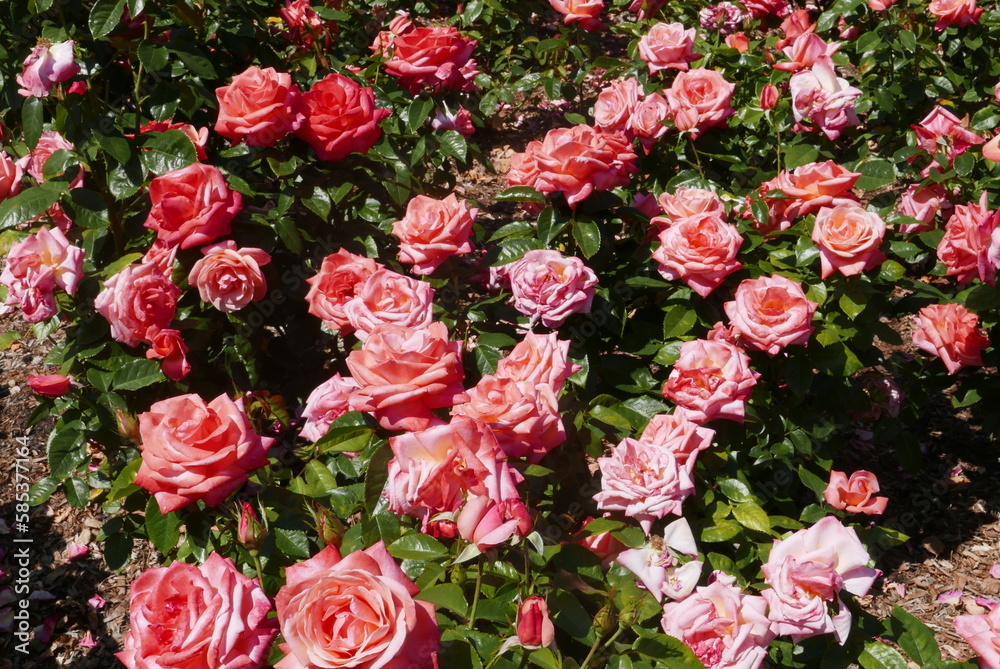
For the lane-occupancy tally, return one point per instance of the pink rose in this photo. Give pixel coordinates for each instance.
(805, 190)
(725, 628)
(192, 206)
(538, 359)
(646, 120)
(950, 332)
(137, 302)
(434, 58)
(198, 136)
(668, 45)
(50, 142)
(486, 522)
(991, 150)
(855, 494)
(770, 313)
(403, 373)
(36, 266)
(534, 627)
(880, 5)
(207, 617)
(962, 12)
(434, 230)
(685, 202)
(983, 634)
(769, 96)
(700, 99)
(965, 246)
(805, 51)
(941, 131)
(460, 121)
(585, 12)
(47, 65)
(259, 107)
(760, 8)
(325, 404)
(356, 611)
(400, 25)
(548, 286)
(701, 250)
(711, 380)
(340, 117)
(645, 9)
(922, 204)
(657, 564)
(167, 345)
(673, 432)
(10, 176)
(162, 255)
(388, 297)
(195, 451)
(230, 278)
(795, 24)
(848, 237)
(806, 573)
(824, 99)
(615, 103)
(339, 277)
(575, 161)
(50, 385)
(603, 544)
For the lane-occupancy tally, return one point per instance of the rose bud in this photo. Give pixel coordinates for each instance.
(769, 96)
(50, 385)
(329, 529)
(534, 628)
(605, 620)
(128, 426)
(250, 532)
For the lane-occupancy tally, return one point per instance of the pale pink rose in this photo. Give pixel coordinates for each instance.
(806, 573)
(668, 45)
(460, 121)
(47, 65)
(805, 51)
(770, 313)
(403, 373)
(700, 99)
(138, 301)
(195, 451)
(167, 345)
(725, 628)
(922, 204)
(207, 617)
(548, 286)
(388, 297)
(983, 634)
(585, 12)
(965, 246)
(258, 107)
(10, 176)
(950, 332)
(534, 627)
(341, 274)
(433, 231)
(50, 142)
(523, 415)
(657, 564)
(192, 206)
(434, 58)
(487, 522)
(539, 359)
(230, 278)
(991, 150)
(615, 103)
(358, 611)
(325, 404)
(943, 132)
(434, 470)
(645, 123)
(35, 267)
(674, 432)
(575, 161)
(645, 481)
(701, 250)
(711, 380)
(949, 12)
(822, 98)
(795, 24)
(855, 494)
(848, 237)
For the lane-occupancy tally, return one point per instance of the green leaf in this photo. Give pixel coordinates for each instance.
(519, 194)
(850, 306)
(124, 483)
(167, 151)
(118, 550)
(293, 543)
(378, 474)
(908, 40)
(66, 449)
(32, 119)
(154, 57)
(453, 144)
(135, 373)
(799, 155)
(163, 530)
(917, 639)
(666, 651)
(878, 655)
(678, 321)
(77, 492)
(319, 478)
(418, 112)
(446, 595)
(721, 532)
(875, 174)
(751, 516)
(8, 338)
(813, 482)
(588, 235)
(104, 16)
(891, 271)
(41, 490)
(27, 204)
(735, 490)
(417, 546)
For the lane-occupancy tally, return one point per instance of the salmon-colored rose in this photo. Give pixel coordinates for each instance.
(47, 65)
(646, 120)
(436, 58)
(340, 117)
(950, 332)
(685, 202)
(196, 451)
(855, 494)
(538, 359)
(795, 24)
(192, 206)
(340, 276)
(207, 617)
(230, 278)
(615, 103)
(769, 96)
(548, 286)
(259, 107)
(674, 432)
(10, 176)
(701, 250)
(965, 246)
(356, 611)
(700, 99)
(770, 313)
(389, 297)
(50, 142)
(138, 302)
(585, 12)
(434, 230)
(711, 379)
(806, 189)
(738, 41)
(668, 45)
(168, 346)
(403, 373)
(848, 237)
(534, 628)
(949, 12)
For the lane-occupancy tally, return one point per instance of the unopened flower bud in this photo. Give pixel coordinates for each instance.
(605, 620)
(250, 532)
(128, 426)
(769, 96)
(329, 529)
(534, 627)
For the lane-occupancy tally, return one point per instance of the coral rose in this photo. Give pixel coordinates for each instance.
(646, 120)
(230, 278)
(403, 373)
(965, 247)
(701, 250)
(434, 58)
(538, 359)
(434, 230)
(848, 237)
(50, 385)
(356, 611)
(47, 65)
(138, 301)
(804, 51)
(167, 345)
(949, 12)
(685, 202)
(259, 107)
(534, 627)
(950, 332)
(711, 379)
(389, 297)
(770, 313)
(854, 494)
(340, 117)
(585, 12)
(615, 104)
(668, 45)
(207, 617)
(196, 451)
(700, 99)
(325, 404)
(548, 286)
(339, 276)
(192, 206)
(943, 132)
